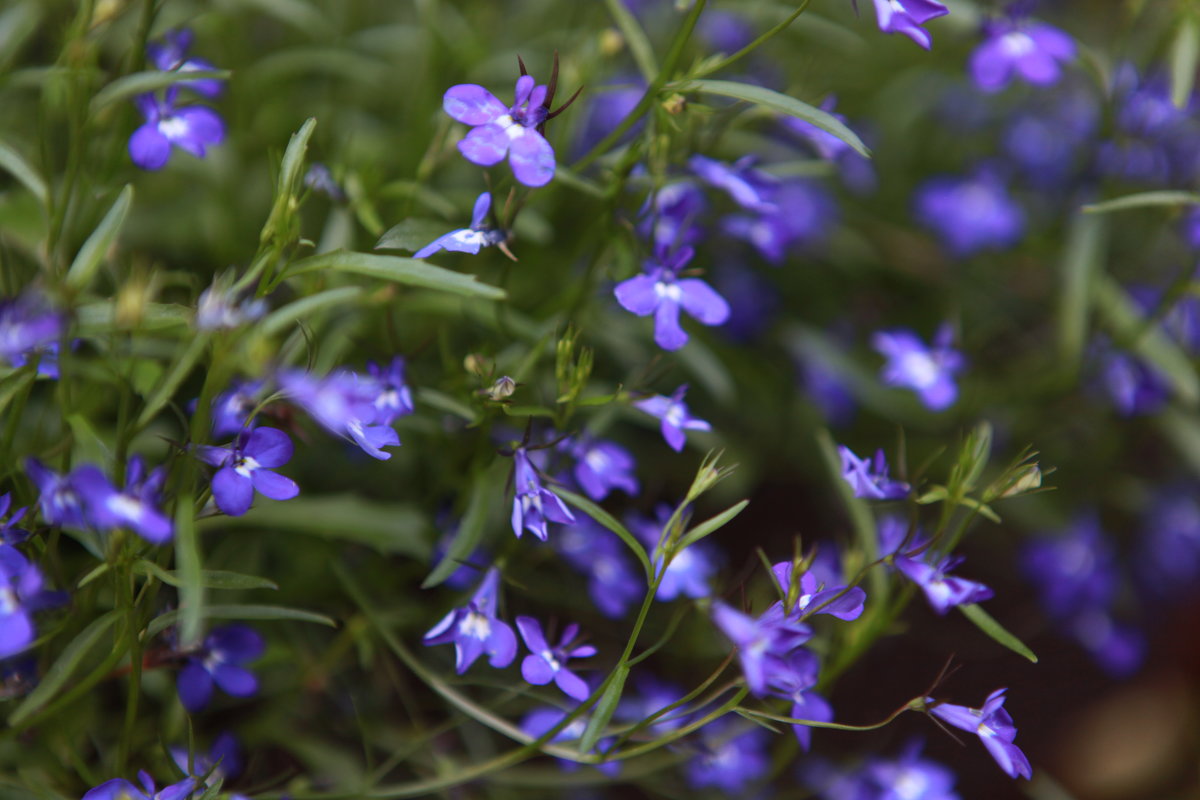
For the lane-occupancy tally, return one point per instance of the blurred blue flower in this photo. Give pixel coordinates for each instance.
(870, 479)
(661, 292)
(943, 591)
(1169, 546)
(760, 641)
(1016, 47)
(601, 466)
(690, 570)
(475, 629)
(9, 532)
(1134, 386)
(121, 789)
(220, 309)
(21, 593)
(59, 498)
(231, 408)
(136, 507)
(190, 128)
(791, 678)
(541, 721)
(348, 404)
(219, 662)
(27, 326)
(928, 371)
(498, 131)
(728, 760)
(613, 583)
(393, 398)
(468, 240)
(750, 188)
(222, 762)
(843, 602)
(802, 211)
(169, 54)
(970, 213)
(670, 216)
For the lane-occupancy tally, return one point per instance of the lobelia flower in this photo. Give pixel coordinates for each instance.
(1169, 545)
(728, 760)
(468, 240)
(27, 326)
(870, 479)
(170, 55)
(190, 128)
(121, 789)
(750, 188)
(219, 309)
(222, 762)
(246, 466)
(804, 212)
(1074, 570)
(674, 415)
(545, 664)
(232, 408)
(219, 661)
(839, 601)
(9, 532)
(650, 697)
(476, 630)
(661, 292)
(690, 570)
(59, 498)
(790, 677)
(499, 131)
(941, 590)
(533, 504)
(1134, 386)
(907, 17)
(540, 721)
(601, 466)
(394, 399)
(928, 371)
(668, 219)
(20, 593)
(994, 727)
(320, 179)
(135, 508)
(1032, 51)
(772, 635)
(970, 213)
(909, 777)
(613, 584)
(348, 404)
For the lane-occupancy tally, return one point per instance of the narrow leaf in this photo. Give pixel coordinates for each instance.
(15, 164)
(399, 270)
(775, 101)
(191, 584)
(639, 47)
(411, 234)
(242, 612)
(151, 81)
(284, 316)
(994, 629)
(88, 259)
(1082, 260)
(605, 708)
(711, 525)
(1144, 199)
(61, 670)
(209, 578)
(170, 382)
(1185, 49)
(609, 521)
(485, 488)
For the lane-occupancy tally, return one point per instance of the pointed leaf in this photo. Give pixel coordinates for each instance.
(61, 670)
(485, 489)
(412, 234)
(408, 271)
(242, 612)
(88, 259)
(1185, 49)
(994, 629)
(150, 81)
(711, 525)
(210, 578)
(609, 521)
(1142, 200)
(604, 709)
(16, 165)
(284, 316)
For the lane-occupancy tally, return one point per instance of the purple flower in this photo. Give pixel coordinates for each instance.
(320, 179)
(601, 466)
(1118, 649)
(232, 408)
(828, 146)
(928, 371)
(170, 55)
(994, 727)
(661, 292)
(690, 569)
(135, 508)
(750, 188)
(9, 532)
(1031, 51)
(246, 466)
(59, 497)
(219, 661)
(613, 583)
(1134, 386)
(790, 677)
(669, 217)
(475, 629)
(394, 399)
(970, 213)
(650, 697)
(807, 592)
(347, 404)
(772, 635)
(909, 777)
(545, 664)
(27, 325)
(907, 17)
(468, 240)
(540, 721)
(943, 591)
(729, 760)
(870, 479)
(20, 593)
(191, 128)
(674, 415)
(222, 762)
(1169, 545)
(1074, 571)
(219, 309)
(533, 504)
(804, 211)
(121, 789)
(499, 131)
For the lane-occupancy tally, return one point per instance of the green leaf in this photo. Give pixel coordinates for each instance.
(604, 709)
(994, 629)
(1185, 49)
(284, 316)
(209, 578)
(484, 489)
(639, 47)
(1082, 260)
(389, 528)
(399, 270)
(609, 521)
(775, 101)
(88, 259)
(191, 583)
(412, 234)
(15, 164)
(711, 525)
(180, 368)
(14, 383)
(151, 81)
(62, 669)
(289, 181)
(242, 612)
(1144, 199)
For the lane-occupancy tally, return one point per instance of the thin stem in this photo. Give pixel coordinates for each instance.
(745, 51)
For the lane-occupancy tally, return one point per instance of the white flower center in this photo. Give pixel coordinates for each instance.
(910, 784)
(245, 465)
(8, 600)
(920, 368)
(668, 291)
(475, 625)
(1017, 44)
(173, 128)
(551, 660)
(127, 507)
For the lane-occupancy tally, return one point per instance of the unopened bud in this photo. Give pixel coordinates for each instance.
(611, 42)
(502, 388)
(675, 105)
(478, 365)
(1026, 480)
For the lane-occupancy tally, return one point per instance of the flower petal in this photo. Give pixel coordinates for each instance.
(234, 680)
(532, 158)
(485, 145)
(535, 670)
(194, 686)
(702, 302)
(472, 104)
(638, 295)
(270, 447)
(273, 485)
(148, 148)
(232, 492)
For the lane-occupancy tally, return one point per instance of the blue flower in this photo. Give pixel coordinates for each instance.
(1030, 51)
(136, 507)
(791, 677)
(393, 398)
(27, 326)
(20, 593)
(728, 759)
(674, 415)
(941, 590)
(468, 240)
(348, 404)
(545, 663)
(870, 479)
(748, 187)
(219, 309)
(190, 128)
(807, 592)
(9, 532)
(222, 762)
(59, 497)
(994, 727)
(907, 17)
(170, 55)
(928, 371)
(500, 131)
(661, 292)
(601, 466)
(690, 569)
(540, 721)
(971, 213)
(219, 661)
(533, 504)
(121, 789)
(246, 466)
(773, 635)
(613, 583)
(232, 408)
(476, 630)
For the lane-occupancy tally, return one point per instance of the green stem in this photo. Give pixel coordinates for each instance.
(745, 51)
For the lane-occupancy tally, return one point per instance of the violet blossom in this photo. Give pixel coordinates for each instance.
(613, 583)
(20, 594)
(476, 630)
(545, 663)
(845, 603)
(9, 532)
(498, 131)
(728, 760)
(1031, 51)
(791, 677)
(190, 128)
(907, 17)
(121, 789)
(219, 662)
(533, 504)
(674, 415)
(690, 570)
(928, 371)
(59, 496)
(246, 466)
(941, 590)
(771, 635)
(602, 466)
(750, 188)
(994, 727)
(170, 55)
(135, 507)
(27, 326)
(394, 398)
(468, 240)
(349, 404)
(970, 213)
(869, 479)
(231, 409)
(661, 292)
